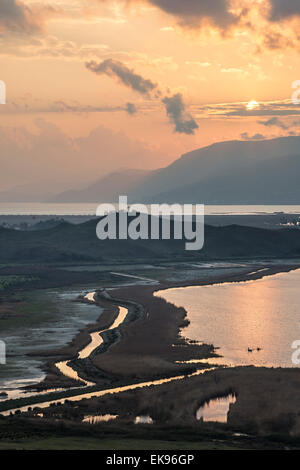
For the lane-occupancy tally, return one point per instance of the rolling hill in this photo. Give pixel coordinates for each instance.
(78, 243)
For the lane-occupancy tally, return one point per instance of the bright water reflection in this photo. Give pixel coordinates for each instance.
(98, 419)
(252, 322)
(216, 410)
(111, 391)
(66, 368)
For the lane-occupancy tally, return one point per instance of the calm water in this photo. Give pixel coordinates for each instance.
(236, 316)
(52, 328)
(95, 341)
(90, 419)
(216, 410)
(26, 208)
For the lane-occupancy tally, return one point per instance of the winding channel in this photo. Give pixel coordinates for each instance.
(96, 340)
(66, 369)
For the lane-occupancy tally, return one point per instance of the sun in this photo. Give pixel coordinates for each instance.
(252, 105)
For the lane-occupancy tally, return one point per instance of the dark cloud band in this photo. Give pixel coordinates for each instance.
(193, 12)
(184, 123)
(126, 76)
(281, 9)
(16, 17)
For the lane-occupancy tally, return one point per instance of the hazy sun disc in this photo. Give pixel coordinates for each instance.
(252, 105)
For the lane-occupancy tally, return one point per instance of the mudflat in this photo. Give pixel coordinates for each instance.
(150, 344)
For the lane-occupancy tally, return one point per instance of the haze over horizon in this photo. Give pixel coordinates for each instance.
(108, 85)
(149, 227)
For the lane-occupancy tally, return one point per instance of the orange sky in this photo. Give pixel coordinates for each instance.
(61, 113)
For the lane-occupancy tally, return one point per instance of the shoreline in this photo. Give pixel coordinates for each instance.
(125, 369)
(145, 346)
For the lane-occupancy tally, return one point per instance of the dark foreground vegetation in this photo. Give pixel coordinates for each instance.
(25, 434)
(68, 243)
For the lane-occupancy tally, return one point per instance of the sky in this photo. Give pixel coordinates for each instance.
(94, 86)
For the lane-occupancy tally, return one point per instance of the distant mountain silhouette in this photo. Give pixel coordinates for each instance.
(234, 172)
(106, 189)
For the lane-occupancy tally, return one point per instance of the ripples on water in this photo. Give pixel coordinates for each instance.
(236, 317)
